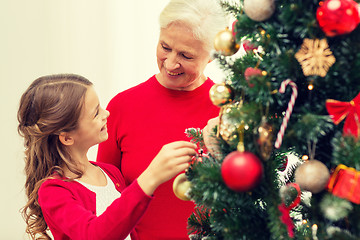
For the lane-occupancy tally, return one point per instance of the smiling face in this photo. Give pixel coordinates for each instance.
(181, 58)
(91, 128)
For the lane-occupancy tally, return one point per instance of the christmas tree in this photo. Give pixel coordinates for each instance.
(286, 162)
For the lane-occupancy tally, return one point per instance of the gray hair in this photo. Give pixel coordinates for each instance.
(205, 18)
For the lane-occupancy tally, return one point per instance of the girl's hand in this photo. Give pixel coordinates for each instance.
(173, 158)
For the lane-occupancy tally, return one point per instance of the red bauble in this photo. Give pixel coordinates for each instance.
(336, 17)
(233, 26)
(249, 72)
(249, 46)
(241, 171)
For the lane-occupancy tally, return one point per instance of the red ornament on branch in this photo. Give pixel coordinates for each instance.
(249, 46)
(241, 171)
(349, 110)
(233, 28)
(337, 17)
(250, 72)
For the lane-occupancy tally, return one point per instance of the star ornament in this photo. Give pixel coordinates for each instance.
(315, 57)
(338, 111)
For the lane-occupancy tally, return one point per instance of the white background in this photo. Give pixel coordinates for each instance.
(110, 42)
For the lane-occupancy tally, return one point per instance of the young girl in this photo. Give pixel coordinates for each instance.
(60, 118)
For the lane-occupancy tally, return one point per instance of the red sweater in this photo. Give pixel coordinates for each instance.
(69, 209)
(142, 120)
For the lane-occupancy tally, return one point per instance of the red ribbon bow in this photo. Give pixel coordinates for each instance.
(349, 110)
(285, 210)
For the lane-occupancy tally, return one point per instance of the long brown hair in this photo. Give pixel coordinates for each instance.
(51, 105)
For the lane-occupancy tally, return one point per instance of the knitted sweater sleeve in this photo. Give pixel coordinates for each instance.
(68, 212)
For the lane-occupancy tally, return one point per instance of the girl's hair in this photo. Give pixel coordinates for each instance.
(204, 17)
(51, 105)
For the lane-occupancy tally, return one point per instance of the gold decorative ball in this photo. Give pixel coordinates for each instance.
(225, 43)
(230, 122)
(181, 186)
(312, 176)
(264, 139)
(221, 94)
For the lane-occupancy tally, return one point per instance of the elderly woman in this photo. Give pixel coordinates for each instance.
(157, 111)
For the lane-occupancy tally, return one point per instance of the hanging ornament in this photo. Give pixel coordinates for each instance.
(315, 57)
(259, 10)
(229, 123)
(221, 94)
(251, 72)
(241, 171)
(233, 28)
(264, 139)
(312, 176)
(288, 110)
(337, 17)
(181, 186)
(349, 110)
(345, 183)
(286, 205)
(225, 43)
(290, 195)
(249, 46)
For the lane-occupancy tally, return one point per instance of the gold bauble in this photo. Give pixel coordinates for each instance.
(312, 176)
(230, 122)
(181, 186)
(225, 43)
(264, 139)
(221, 94)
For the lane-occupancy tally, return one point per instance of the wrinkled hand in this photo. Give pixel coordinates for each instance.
(210, 139)
(172, 159)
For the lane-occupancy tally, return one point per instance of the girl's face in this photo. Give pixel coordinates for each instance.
(181, 58)
(92, 122)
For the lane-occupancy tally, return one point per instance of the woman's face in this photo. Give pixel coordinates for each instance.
(181, 58)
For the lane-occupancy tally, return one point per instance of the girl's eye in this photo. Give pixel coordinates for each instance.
(97, 113)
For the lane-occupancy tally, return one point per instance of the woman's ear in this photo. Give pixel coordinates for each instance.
(66, 139)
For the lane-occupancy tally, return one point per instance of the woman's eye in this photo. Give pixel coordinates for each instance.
(165, 48)
(186, 57)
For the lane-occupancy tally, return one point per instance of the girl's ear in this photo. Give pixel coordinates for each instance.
(66, 139)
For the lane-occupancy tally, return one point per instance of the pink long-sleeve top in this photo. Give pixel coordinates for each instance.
(69, 209)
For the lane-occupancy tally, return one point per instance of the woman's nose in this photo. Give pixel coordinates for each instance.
(171, 63)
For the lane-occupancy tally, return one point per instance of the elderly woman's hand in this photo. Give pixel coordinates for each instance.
(209, 135)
